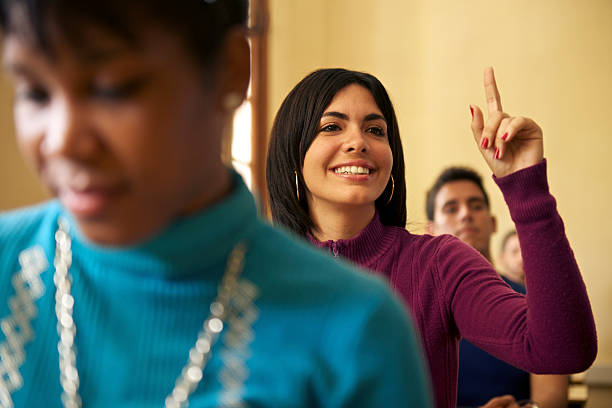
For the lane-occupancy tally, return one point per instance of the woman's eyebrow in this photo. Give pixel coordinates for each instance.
(18, 69)
(15, 68)
(338, 115)
(371, 116)
(98, 55)
(89, 55)
(374, 116)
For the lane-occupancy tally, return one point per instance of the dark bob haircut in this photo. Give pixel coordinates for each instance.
(452, 174)
(200, 24)
(295, 127)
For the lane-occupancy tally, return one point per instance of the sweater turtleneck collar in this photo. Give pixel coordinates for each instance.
(364, 249)
(191, 245)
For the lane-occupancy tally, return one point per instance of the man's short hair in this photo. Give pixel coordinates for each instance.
(454, 173)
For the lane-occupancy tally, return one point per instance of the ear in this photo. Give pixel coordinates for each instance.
(429, 228)
(234, 70)
(493, 224)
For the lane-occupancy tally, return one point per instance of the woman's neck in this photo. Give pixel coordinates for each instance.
(333, 222)
(218, 186)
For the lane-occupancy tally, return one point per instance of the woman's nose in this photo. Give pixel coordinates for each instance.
(355, 141)
(68, 131)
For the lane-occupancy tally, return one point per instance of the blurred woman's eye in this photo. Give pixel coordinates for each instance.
(377, 130)
(33, 94)
(118, 91)
(332, 127)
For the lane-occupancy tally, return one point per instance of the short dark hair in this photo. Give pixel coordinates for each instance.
(454, 173)
(201, 24)
(505, 239)
(295, 127)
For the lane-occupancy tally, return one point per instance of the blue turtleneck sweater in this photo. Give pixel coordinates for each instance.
(303, 330)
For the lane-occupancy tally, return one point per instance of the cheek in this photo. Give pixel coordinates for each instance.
(167, 156)
(485, 221)
(449, 224)
(142, 139)
(445, 224)
(318, 157)
(309, 170)
(384, 158)
(388, 155)
(30, 130)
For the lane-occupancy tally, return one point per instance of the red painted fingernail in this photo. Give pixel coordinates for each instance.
(472, 111)
(496, 153)
(485, 143)
(505, 136)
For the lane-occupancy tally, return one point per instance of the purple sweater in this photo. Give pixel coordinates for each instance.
(454, 292)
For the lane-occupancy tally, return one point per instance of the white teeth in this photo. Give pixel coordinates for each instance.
(352, 170)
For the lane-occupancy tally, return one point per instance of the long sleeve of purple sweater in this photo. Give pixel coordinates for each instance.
(553, 331)
(453, 291)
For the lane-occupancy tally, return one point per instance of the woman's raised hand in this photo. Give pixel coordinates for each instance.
(507, 143)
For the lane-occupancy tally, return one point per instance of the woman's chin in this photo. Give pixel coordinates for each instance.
(357, 202)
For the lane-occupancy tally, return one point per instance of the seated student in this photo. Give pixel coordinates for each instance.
(335, 174)
(151, 278)
(458, 204)
(511, 259)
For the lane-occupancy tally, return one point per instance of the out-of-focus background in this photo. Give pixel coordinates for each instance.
(553, 62)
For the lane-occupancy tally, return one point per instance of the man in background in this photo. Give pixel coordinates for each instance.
(458, 204)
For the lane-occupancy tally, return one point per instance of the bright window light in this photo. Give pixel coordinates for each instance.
(241, 142)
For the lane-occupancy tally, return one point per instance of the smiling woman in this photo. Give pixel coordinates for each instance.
(336, 131)
(331, 131)
(349, 162)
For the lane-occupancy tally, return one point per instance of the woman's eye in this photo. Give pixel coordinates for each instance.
(330, 128)
(119, 91)
(376, 130)
(34, 94)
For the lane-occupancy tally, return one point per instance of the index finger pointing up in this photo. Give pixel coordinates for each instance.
(491, 92)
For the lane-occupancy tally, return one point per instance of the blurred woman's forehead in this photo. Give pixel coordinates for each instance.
(86, 35)
(202, 26)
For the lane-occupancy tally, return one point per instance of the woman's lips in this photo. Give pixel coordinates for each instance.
(354, 170)
(353, 177)
(87, 203)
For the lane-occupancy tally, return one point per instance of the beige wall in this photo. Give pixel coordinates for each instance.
(553, 60)
(18, 185)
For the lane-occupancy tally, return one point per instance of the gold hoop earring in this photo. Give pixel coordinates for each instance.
(392, 190)
(297, 186)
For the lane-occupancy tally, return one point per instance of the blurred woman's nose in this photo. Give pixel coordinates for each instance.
(355, 140)
(68, 132)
